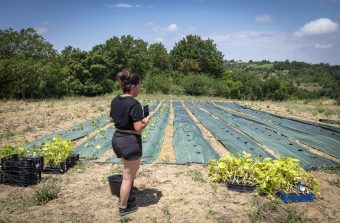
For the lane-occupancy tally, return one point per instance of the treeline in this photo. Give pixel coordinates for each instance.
(31, 68)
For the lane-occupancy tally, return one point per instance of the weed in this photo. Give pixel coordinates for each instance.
(7, 134)
(125, 219)
(144, 172)
(51, 105)
(178, 173)
(334, 182)
(321, 110)
(167, 159)
(15, 108)
(214, 187)
(15, 201)
(117, 169)
(196, 176)
(166, 213)
(41, 125)
(101, 109)
(223, 221)
(211, 210)
(275, 211)
(329, 113)
(47, 191)
(28, 128)
(80, 167)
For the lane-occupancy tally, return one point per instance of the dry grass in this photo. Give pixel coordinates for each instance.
(165, 193)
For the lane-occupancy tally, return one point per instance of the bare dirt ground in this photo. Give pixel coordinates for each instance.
(164, 192)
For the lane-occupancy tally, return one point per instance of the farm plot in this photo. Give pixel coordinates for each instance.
(74, 132)
(322, 137)
(188, 142)
(277, 142)
(258, 133)
(235, 141)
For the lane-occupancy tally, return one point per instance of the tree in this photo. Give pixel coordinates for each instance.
(25, 57)
(159, 56)
(194, 55)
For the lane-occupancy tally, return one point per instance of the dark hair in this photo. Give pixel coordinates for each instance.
(127, 80)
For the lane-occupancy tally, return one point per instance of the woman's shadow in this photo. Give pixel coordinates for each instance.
(147, 197)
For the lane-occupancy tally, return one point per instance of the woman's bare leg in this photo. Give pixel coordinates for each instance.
(130, 169)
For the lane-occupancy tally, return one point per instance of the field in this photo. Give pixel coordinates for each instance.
(165, 192)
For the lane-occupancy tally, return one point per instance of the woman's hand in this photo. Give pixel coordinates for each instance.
(140, 125)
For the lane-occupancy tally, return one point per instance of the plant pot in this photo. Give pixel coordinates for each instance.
(115, 181)
(72, 160)
(62, 168)
(240, 187)
(21, 171)
(288, 198)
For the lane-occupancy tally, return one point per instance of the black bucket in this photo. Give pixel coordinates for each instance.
(115, 181)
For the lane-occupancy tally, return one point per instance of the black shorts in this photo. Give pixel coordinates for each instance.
(127, 145)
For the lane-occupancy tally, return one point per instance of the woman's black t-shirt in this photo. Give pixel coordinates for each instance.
(125, 111)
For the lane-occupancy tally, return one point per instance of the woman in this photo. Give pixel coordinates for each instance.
(127, 115)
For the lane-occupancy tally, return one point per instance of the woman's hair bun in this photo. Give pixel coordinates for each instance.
(124, 76)
(127, 80)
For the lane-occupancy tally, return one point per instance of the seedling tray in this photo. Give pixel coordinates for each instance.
(240, 187)
(288, 198)
(20, 180)
(20, 171)
(62, 168)
(72, 160)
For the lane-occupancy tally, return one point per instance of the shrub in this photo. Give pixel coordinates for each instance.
(197, 84)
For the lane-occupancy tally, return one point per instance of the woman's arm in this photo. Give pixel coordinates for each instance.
(140, 125)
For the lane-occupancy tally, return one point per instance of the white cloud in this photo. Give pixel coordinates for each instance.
(264, 18)
(124, 5)
(150, 24)
(276, 45)
(43, 28)
(162, 30)
(172, 28)
(323, 45)
(159, 39)
(318, 27)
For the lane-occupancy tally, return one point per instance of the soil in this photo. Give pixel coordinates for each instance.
(164, 192)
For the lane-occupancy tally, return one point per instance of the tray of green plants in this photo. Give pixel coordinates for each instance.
(19, 169)
(282, 176)
(56, 153)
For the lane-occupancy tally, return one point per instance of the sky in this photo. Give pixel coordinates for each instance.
(297, 30)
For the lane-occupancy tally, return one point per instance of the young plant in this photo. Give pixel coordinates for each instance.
(56, 151)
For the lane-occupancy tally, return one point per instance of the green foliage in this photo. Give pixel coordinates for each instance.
(31, 68)
(197, 84)
(47, 191)
(193, 55)
(196, 176)
(274, 211)
(56, 151)
(159, 57)
(8, 151)
(271, 176)
(157, 83)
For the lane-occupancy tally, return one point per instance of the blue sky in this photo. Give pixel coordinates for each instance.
(301, 30)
